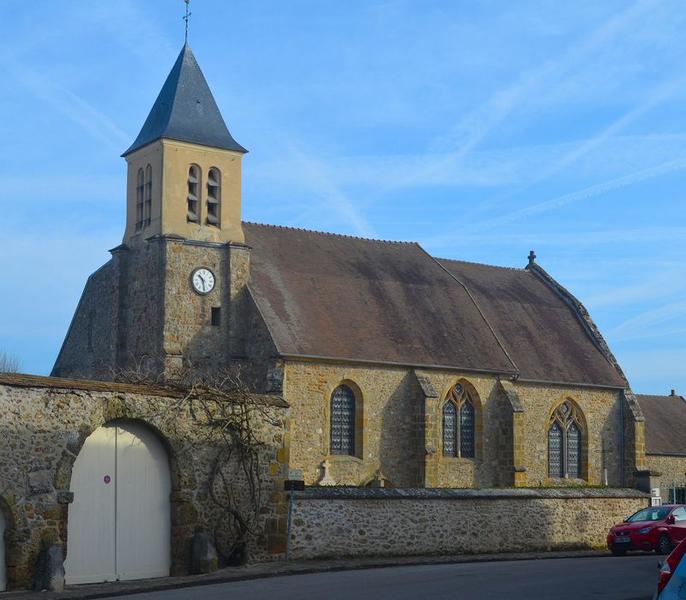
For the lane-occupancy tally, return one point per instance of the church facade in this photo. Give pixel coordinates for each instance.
(400, 369)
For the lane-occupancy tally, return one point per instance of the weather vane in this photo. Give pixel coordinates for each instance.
(187, 17)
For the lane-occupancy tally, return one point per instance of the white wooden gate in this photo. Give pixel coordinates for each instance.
(3, 568)
(119, 523)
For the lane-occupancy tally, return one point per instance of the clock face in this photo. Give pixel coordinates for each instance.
(202, 280)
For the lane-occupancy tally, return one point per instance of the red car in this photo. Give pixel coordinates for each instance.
(657, 528)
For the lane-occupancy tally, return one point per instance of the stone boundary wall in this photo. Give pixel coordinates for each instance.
(44, 423)
(355, 522)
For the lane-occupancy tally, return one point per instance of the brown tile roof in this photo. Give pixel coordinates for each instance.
(345, 298)
(665, 424)
(541, 333)
(38, 381)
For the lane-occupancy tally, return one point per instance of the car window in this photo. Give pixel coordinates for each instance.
(679, 514)
(649, 514)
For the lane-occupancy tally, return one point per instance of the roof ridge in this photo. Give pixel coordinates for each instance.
(329, 233)
(480, 264)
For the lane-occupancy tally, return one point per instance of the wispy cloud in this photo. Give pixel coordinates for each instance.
(329, 195)
(590, 192)
(518, 165)
(71, 105)
(564, 239)
(666, 283)
(666, 320)
(473, 129)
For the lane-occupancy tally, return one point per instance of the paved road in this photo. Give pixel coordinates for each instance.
(627, 578)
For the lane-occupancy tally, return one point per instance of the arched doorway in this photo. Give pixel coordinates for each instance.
(119, 523)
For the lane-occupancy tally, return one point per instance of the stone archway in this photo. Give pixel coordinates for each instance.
(119, 524)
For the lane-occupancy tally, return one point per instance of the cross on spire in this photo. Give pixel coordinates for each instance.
(187, 17)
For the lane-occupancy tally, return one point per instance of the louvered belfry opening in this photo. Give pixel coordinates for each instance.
(459, 424)
(194, 194)
(140, 194)
(213, 196)
(565, 442)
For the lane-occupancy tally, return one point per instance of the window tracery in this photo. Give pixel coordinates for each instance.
(459, 424)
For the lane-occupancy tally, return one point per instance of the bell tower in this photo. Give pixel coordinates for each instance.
(175, 291)
(184, 168)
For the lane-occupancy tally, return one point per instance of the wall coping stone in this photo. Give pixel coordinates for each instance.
(38, 381)
(349, 493)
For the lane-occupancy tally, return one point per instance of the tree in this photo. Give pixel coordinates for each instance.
(227, 416)
(8, 363)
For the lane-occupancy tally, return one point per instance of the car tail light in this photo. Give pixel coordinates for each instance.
(664, 577)
(669, 566)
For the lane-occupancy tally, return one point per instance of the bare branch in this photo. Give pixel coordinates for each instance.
(9, 363)
(226, 414)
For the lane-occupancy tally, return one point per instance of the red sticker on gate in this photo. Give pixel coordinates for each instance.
(107, 479)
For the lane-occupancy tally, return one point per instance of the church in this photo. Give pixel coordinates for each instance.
(400, 369)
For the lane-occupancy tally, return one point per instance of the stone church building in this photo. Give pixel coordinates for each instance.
(400, 369)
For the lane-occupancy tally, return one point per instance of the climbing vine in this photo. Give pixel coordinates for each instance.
(226, 417)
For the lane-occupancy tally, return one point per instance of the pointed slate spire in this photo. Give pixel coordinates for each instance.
(186, 111)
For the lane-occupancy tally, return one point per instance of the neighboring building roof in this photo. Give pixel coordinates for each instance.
(344, 298)
(23, 380)
(185, 110)
(665, 424)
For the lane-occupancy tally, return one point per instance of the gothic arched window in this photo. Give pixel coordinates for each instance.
(565, 433)
(194, 194)
(343, 421)
(140, 192)
(147, 212)
(459, 424)
(214, 189)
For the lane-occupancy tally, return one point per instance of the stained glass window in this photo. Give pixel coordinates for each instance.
(573, 454)
(555, 467)
(565, 442)
(459, 424)
(343, 421)
(467, 430)
(449, 429)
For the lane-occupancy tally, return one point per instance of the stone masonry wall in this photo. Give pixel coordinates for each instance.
(46, 421)
(353, 523)
(387, 410)
(601, 410)
(139, 312)
(400, 428)
(666, 471)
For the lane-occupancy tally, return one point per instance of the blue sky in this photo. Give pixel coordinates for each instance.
(479, 129)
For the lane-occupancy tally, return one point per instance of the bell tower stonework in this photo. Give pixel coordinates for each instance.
(174, 292)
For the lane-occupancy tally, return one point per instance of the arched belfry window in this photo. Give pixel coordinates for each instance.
(147, 211)
(459, 423)
(140, 194)
(194, 194)
(214, 190)
(343, 421)
(565, 436)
